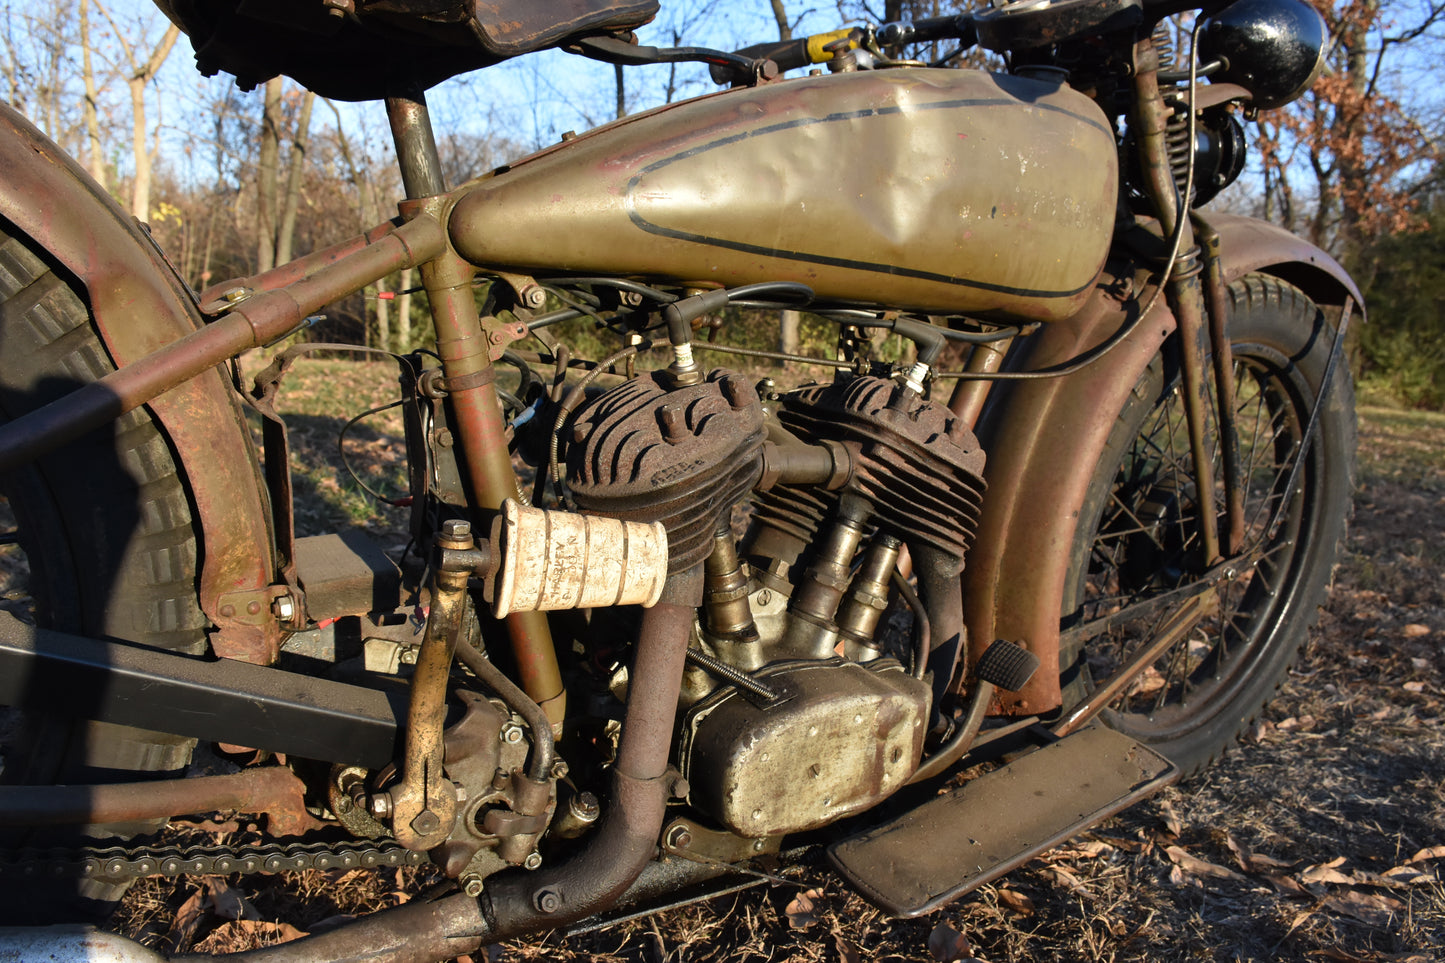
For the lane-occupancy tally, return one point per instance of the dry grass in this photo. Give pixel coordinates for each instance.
(1297, 846)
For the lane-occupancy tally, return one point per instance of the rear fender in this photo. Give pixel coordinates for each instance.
(1044, 438)
(140, 305)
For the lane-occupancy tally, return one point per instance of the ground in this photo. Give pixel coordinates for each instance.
(1320, 837)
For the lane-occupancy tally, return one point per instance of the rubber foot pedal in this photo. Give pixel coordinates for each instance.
(1007, 665)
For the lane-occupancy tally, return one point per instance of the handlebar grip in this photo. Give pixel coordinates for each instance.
(958, 27)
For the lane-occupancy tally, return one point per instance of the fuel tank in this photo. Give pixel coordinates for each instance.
(946, 191)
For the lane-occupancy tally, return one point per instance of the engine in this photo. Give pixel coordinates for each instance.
(799, 707)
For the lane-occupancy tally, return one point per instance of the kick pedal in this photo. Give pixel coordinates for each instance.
(954, 843)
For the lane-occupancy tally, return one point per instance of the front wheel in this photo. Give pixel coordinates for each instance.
(1138, 535)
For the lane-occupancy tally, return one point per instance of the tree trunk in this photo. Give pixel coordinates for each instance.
(95, 152)
(299, 143)
(267, 176)
(137, 82)
(403, 312)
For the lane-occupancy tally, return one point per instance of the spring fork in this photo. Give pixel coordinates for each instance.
(1186, 296)
(1217, 309)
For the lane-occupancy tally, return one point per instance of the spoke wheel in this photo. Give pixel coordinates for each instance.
(1142, 537)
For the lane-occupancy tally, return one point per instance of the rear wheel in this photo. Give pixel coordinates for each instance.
(1138, 537)
(103, 545)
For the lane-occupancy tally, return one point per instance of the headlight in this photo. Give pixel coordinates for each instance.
(1273, 48)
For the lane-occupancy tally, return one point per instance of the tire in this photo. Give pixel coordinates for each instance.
(109, 549)
(1138, 533)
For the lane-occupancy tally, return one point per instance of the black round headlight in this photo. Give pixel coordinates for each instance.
(1273, 48)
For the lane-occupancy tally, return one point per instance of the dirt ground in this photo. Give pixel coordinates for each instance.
(1321, 837)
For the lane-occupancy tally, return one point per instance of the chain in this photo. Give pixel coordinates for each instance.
(119, 862)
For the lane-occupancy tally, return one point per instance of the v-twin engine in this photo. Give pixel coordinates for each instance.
(802, 703)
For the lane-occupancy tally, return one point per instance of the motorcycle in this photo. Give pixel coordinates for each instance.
(928, 618)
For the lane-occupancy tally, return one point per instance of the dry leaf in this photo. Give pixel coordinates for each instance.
(1287, 884)
(228, 902)
(1199, 867)
(1326, 873)
(1433, 852)
(1172, 822)
(1408, 876)
(249, 933)
(1254, 862)
(1016, 901)
(1415, 687)
(1415, 630)
(949, 945)
(188, 917)
(802, 911)
(1065, 878)
(1376, 909)
(847, 952)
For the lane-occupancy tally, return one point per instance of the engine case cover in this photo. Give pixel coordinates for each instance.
(840, 738)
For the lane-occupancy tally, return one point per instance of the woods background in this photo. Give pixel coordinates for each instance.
(234, 181)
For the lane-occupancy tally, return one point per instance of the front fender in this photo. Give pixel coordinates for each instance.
(1044, 439)
(140, 305)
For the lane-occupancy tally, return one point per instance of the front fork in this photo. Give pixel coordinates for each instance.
(1196, 292)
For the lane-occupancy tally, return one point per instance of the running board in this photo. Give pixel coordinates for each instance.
(956, 842)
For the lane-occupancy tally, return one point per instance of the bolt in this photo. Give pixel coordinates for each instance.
(679, 838)
(765, 597)
(547, 901)
(443, 438)
(408, 657)
(534, 297)
(568, 135)
(472, 885)
(228, 611)
(343, 805)
(674, 424)
(533, 861)
(496, 337)
(234, 295)
(457, 528)
(285, 608)
(511, 733)
(380, 805)
(737, 392)
(253, 607)
(426, 823)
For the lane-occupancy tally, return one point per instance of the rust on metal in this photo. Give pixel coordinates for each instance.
(139, 306)
(424, 803)
(273, 790)
(214, 299)
(475, 412)
(1014, 583)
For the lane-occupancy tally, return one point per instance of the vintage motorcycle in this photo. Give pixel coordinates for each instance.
(929, 617)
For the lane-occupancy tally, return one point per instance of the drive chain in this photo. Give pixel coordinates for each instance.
(118, 862)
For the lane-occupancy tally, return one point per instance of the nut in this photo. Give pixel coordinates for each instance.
(380, 805)
(426, 823)
(472, 885)
(547, 901)
(456, 528)
(533, 861)
(284, 607)
(511, 733)
(678, 837)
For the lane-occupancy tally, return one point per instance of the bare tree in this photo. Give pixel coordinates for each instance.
(90, 103)
(140, 76)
